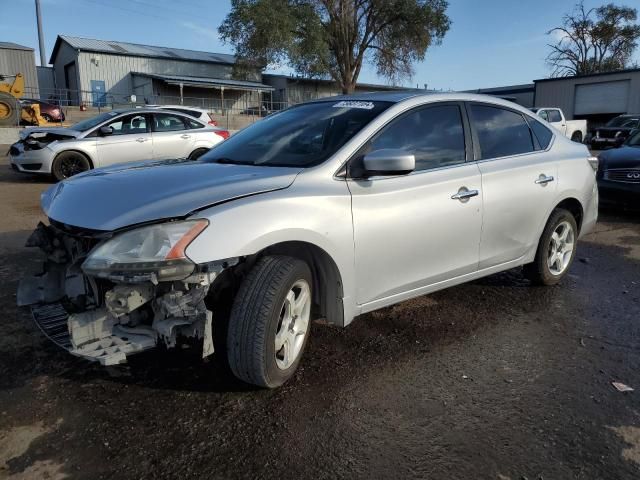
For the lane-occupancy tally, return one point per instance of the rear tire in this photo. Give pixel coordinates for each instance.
(577, 137)
(556, 249)
(67, 164)
(270, 321)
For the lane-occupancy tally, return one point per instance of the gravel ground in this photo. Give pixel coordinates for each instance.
(493, 379)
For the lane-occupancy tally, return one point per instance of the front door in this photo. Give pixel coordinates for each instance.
(519, 180)
(411, 231)
(129, 141)
(171, 136)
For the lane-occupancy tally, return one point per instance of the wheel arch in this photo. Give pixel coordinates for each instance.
(328, 287)
(574, 206)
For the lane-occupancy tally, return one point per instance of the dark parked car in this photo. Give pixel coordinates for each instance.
(619, 173)
(615, 132)
(48, 111)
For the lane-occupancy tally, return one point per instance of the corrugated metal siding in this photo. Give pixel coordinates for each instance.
(115, 70)
(46, 81)
(66, 54)
(14, 61)
(561, 92)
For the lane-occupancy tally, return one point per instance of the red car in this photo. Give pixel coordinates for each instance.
(48, 111)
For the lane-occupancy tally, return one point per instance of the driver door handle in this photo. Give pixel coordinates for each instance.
(185, 136)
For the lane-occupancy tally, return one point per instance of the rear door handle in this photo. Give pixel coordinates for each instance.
(464, 194)
(543, 179)
(141, 140)
(185, 136)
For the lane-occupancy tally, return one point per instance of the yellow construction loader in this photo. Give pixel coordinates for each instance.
(10, 105)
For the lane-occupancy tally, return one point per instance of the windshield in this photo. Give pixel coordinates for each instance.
(89, 123)
(302, 136)
(628, 122)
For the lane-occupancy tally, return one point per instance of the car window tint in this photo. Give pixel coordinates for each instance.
(434, 135)
(129, 124)
(167, 122)
(554, 116)
(193, 124)
(501, 132)
(542, 133)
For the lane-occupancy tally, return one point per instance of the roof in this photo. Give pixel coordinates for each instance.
(139, 50)
(577, 77)
(14, 46)
(207, 82)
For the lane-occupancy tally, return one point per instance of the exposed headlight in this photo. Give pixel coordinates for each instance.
(155, 253)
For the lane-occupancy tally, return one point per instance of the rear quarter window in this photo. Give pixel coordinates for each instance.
(542, 133)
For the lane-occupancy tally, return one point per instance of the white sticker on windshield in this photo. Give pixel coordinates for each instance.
(354, 104)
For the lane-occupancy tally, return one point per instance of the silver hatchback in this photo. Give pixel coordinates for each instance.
(329, 209)
(118, 136)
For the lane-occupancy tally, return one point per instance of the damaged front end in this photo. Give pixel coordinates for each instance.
(104, 297)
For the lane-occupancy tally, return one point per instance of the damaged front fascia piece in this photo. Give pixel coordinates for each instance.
(112, 320)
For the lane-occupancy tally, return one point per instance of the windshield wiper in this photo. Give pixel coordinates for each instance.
(230, 161)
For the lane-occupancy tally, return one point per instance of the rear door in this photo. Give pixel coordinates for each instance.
(518, 181)
(130, 140)
(416, 230)
(171, 136)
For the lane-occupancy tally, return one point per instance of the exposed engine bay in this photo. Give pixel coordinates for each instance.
(37, 140)
(107, 318)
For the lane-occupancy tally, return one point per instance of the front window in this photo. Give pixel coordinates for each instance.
(634, 140)
(89, 123)
(301, 136)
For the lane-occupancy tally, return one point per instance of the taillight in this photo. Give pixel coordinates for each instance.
(223, 133)
(213, 123)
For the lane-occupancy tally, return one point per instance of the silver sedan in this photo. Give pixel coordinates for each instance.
(118, 136)
(329, 209)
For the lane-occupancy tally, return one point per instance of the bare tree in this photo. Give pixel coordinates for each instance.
(591, 41)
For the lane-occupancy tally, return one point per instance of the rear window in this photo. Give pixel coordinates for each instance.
(193, 124)
(501, 132)
(554, 116)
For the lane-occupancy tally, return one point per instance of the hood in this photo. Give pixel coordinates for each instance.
(623, 157)
(42, 131)
(116, 197)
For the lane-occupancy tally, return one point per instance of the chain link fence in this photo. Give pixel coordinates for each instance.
(66, 107)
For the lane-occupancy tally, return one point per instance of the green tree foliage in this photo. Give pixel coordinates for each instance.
(601, 39)
(334, 38)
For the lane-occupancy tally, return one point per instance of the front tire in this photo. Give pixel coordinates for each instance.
(556, 250)
(270, 321)
(67, 164)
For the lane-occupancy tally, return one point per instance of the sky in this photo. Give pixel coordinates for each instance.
(491, 43)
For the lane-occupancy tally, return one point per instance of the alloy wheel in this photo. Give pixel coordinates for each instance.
(293, 324)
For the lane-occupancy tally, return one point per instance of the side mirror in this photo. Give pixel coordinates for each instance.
(389, 161)
(104, 131)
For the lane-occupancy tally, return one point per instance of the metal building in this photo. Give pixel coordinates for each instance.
(16, 58)
(596, 98)
(520, 94)
(96, 72)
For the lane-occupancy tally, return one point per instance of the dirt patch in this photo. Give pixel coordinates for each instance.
(631, 435)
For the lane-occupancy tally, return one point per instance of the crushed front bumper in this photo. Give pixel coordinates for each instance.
(107, 321)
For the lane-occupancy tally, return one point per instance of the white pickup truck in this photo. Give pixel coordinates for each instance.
(576, 130)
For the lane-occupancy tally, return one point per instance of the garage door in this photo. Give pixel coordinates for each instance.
(606, 97)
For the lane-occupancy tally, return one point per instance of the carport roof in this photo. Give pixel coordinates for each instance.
(206, 82)
(139, 50)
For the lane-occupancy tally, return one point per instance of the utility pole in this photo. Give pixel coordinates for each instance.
(43, 60)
